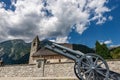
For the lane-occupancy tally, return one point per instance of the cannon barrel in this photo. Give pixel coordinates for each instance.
(67, 52)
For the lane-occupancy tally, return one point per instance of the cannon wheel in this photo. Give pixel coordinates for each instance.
(91, 67)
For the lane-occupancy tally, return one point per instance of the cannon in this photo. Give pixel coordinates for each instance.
(87, 66)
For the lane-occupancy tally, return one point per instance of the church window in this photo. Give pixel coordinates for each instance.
(34, 44)
(59, 60)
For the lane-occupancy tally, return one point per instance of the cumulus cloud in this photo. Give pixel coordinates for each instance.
(49, 18)
(113, 46)
(106, 42)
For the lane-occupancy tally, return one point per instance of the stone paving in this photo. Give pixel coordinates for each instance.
(38, 78)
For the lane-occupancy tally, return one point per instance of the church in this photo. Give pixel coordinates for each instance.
(46, 55)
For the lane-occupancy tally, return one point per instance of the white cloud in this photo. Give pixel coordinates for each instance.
(113, 46)
(106, 42)
(110, 18)
(61, 39)
(2, 4)
(53, 18)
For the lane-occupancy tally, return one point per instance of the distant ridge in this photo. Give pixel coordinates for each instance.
(14, 51)
(17, 51)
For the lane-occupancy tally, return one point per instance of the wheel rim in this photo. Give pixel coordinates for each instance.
(91, 67)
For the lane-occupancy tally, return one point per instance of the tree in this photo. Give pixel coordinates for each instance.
(102, 50)
(98, 48)
(115, 53)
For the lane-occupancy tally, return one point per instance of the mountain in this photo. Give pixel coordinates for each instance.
(14, 51)
(83, 48)
(17, 51)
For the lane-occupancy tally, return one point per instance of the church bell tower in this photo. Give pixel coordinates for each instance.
(34, 47)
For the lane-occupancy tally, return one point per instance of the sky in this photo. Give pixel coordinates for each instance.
(62, 21)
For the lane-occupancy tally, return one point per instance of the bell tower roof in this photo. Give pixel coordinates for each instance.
(36, 39)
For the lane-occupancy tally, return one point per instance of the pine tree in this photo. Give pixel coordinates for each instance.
(102, 50)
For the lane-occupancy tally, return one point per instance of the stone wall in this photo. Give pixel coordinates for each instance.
(114, 65)
(50, 70)
(21, 71)
(59, 70)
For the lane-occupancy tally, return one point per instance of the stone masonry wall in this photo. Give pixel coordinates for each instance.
(21, 71)
(50, 70)
(59, 70)
(114, 65)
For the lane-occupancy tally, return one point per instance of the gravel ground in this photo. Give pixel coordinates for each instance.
(38, 78)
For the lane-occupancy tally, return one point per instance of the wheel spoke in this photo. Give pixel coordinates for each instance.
(88, 60)
(98, 65)
(100, 68)
(88, 71)
(89, 75)
(96, 61)
(93, 76)
(96, 76)
(84, 67)
(85, 64)
(100, 73)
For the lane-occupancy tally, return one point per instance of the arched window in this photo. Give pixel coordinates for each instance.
(34, 44)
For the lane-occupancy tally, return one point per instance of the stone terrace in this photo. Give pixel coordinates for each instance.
(57, 71)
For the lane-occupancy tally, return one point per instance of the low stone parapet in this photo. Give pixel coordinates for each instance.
(48, 70)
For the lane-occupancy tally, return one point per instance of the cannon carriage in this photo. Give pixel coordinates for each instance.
(87, 66)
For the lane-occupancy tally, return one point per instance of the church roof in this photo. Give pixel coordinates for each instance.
(46, 52)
